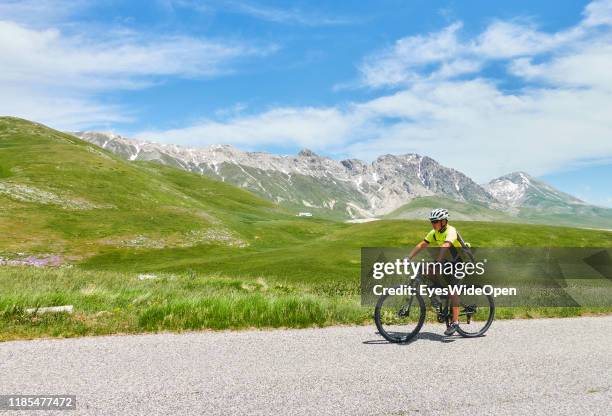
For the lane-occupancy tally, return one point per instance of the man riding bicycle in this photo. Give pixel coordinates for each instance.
(445, 236)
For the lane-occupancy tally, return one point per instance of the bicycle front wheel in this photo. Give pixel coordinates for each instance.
(399, 318)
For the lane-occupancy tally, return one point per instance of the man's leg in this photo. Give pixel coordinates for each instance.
(454, 300)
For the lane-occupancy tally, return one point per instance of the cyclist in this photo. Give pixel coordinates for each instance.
(445, 236)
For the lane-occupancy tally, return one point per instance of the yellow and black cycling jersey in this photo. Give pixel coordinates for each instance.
(446, 234)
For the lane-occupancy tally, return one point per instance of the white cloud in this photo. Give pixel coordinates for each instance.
(445, 54)
(588, 65)
(288, 16)
(119, 61)
(598, 13)
(474, 127)
(302, 126)
(559, 116)
(69, 111)
(468, 125)
(507, 39)
(263, 12)
(43, 66)
(402, 62)
(39, 12)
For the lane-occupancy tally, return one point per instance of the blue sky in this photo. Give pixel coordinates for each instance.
(484, 87)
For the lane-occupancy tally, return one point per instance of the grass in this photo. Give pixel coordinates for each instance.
(130, 199)
(290, 271)
(333, 256)
(111, 303)
(420, 207)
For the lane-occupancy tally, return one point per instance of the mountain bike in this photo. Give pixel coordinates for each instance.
(399, 318)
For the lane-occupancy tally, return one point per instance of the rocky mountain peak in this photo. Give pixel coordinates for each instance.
(358, 188)
(354, 165)
(521, 189)
(307, 153)
(518, 177)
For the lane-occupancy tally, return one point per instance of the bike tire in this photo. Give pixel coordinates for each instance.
(393, 337)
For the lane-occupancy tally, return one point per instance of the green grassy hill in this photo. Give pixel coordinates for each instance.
(225, 257)
(575, 215)
(419, 208)
(65, 196)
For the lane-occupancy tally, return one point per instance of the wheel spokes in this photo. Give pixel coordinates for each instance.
(398, 317)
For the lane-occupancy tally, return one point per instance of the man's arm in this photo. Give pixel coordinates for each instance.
(443, 250)
(451, 236)
(417, 249)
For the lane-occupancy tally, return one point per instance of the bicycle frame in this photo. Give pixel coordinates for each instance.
(445, 310)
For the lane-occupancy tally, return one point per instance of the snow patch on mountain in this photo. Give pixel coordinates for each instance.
(507, 190)
(519, 189)
(359, 189)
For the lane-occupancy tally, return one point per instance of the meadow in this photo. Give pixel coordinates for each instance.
(222, 257)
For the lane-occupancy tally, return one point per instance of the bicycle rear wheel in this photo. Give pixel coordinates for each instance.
(399, 318)
(476, 314)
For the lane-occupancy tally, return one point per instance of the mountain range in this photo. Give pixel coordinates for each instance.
(392, 186)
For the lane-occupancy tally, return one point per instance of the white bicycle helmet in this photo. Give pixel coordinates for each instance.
(438, 214)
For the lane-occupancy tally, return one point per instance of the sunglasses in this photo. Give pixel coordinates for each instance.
(435, 221)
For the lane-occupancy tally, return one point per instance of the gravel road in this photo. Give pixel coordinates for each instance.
(535, 367)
